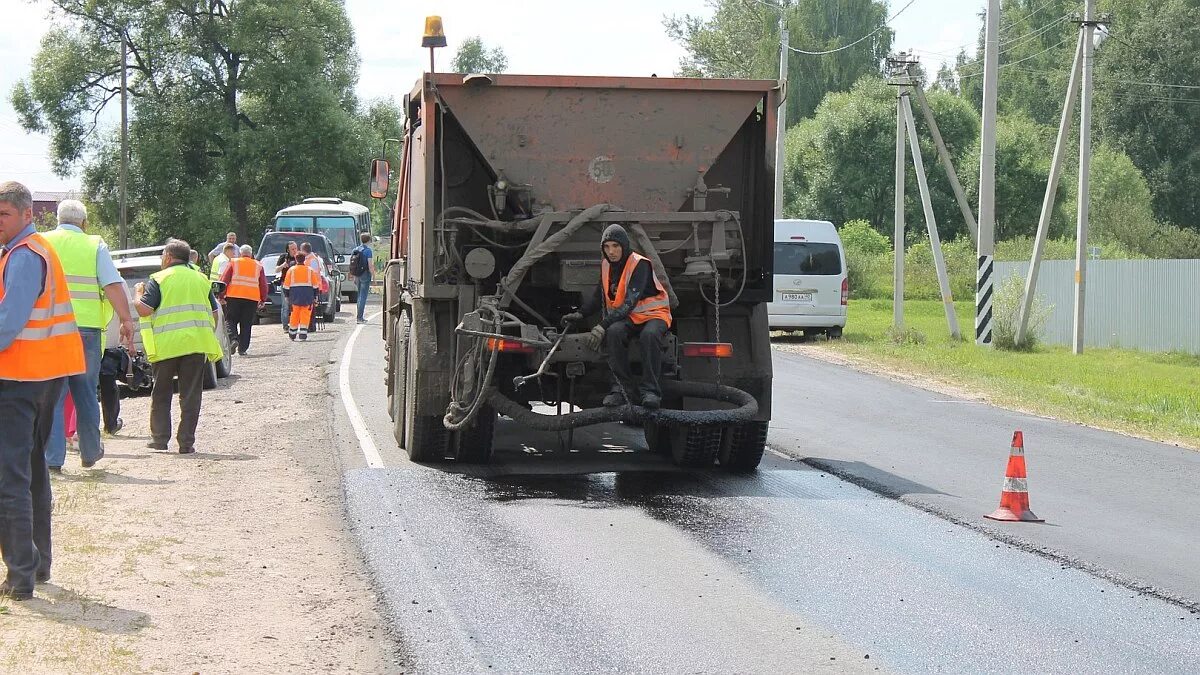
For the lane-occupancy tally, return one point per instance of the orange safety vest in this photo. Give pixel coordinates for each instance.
(243, 282)
(657, 306)
(301, 275)
(49, 347)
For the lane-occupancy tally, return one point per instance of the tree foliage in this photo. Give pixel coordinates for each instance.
(741, 39)
(475, 57)
(239, 107)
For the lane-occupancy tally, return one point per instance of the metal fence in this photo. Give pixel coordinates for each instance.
(1151, 305)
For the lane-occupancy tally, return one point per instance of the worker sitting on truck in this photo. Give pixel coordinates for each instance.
(635, 305)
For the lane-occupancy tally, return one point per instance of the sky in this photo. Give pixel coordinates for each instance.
(613, 37)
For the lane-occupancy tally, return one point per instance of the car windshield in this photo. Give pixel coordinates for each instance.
(807, 258)
(275, 244)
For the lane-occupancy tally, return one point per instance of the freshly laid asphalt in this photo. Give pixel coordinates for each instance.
(1120, 506)
(607, 559)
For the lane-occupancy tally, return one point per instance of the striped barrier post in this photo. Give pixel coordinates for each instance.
(983, 301)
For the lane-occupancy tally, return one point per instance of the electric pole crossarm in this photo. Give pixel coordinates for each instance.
(935, 242)
(1060, 149)
(947, 164)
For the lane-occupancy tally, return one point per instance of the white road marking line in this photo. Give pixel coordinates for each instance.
(369, 449)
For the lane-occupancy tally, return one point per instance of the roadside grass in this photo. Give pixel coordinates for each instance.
(1145, 394)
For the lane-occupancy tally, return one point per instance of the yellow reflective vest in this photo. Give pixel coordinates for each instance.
(183, 322)
(77, 252)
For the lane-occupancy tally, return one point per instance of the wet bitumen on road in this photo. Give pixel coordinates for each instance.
(606, 558)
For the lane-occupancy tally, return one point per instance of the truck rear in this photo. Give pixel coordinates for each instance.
(504, 187)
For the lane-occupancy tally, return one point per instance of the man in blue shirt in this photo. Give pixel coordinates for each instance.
(26, 409)
(72, 218)
(362, 275)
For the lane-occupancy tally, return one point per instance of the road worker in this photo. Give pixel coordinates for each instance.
(635, 305)
(39, 347)
(218, 265)
(178, 313)
(97, 290)
(244, 291)
(300, 286)
(230, 238)
(282, 264)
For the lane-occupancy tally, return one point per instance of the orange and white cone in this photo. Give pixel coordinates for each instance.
(1014, 497)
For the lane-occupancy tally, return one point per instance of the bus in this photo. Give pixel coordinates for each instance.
(341, 221)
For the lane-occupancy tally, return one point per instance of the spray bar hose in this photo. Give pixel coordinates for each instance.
(746, 410)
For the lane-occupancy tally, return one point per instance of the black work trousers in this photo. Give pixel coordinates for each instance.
(239, 320)
(27, 410)
(190, 371)
(110, 402)
(650, 340)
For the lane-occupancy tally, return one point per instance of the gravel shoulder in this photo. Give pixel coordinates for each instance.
(235, 559)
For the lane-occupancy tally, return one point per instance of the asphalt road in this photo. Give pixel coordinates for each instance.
(607, 559)
(1119, 506)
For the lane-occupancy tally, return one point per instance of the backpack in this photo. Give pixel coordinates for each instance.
(358, 264)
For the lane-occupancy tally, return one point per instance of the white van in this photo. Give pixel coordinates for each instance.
(811, 290)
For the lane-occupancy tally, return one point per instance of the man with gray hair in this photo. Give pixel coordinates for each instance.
(178, 313)
(39, 347)
(97, 290)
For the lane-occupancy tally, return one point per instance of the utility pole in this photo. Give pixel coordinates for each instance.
(986, 246)
(1085, 162)
(123, 223)
(1060, 149)
(897, 66)
(781, 120)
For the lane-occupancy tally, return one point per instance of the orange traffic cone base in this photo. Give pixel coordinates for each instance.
(1009, 515)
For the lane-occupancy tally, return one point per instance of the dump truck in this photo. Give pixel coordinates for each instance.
(504, 185)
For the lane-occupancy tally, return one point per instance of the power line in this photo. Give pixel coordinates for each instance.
(1013, 63)
(1106, 80)
(1044, 5)
(861, 39)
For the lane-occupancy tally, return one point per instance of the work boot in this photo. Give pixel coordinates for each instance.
(89, 464)
(7, 591)
(651, 400)
(615, 399)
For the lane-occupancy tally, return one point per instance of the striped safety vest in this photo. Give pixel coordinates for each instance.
(243, 283)
(183, 322)
(49, 346)
(77, 252)
(217, 267)
(657, 306)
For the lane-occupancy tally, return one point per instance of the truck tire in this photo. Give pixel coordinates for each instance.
(743, 447)
(425, 393)
(695, 446)
(473, 445)
(658, 437)
(352, 297)
(399, 383)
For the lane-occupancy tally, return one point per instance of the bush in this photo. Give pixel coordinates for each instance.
(1006, 307)
(858, 235)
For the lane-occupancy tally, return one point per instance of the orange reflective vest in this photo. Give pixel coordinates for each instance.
(301, 275)
(243, 283)
(657, 306)
(49, 347)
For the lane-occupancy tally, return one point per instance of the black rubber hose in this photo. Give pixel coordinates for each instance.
(745, 412)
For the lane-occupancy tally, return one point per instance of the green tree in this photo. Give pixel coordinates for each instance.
(1023, 149)
(474, 57)
(839, 163)
(741, 39)
(1157, 126)
(238, 106)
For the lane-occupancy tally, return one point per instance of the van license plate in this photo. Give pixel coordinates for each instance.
(798, 297)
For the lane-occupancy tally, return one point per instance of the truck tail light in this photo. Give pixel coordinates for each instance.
(845, 291)
(717, 350)
(508, 346)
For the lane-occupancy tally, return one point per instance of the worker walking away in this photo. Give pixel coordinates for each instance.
(97, 291)
(360, 272)
(39, 347)
(300, 286)
(228, 253)
(179, 314)
(635, 305)
(244, 291)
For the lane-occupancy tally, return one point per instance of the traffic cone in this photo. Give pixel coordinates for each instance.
(1014, 497)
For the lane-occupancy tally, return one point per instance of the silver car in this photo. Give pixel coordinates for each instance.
(136, 265)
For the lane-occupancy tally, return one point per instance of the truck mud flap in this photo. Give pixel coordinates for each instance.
(745, 411)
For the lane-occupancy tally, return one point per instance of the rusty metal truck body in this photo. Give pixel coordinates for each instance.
(503, 189)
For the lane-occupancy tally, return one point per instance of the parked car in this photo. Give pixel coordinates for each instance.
(273, 245)
(136, 265)
(811, 286)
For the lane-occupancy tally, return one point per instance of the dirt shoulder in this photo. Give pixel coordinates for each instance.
(235, 559)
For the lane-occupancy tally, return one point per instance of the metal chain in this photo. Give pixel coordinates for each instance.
(717, 314)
